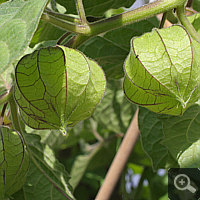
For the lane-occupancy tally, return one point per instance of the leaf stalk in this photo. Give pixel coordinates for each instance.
(185, 22)
(81, 12)
(65, 17)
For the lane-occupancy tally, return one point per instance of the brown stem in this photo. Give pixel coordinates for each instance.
(119, 160)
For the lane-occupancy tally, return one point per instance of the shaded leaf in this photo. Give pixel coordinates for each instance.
(81, 131)
(47, 179)
(18, 22)
(195, 21)
(122, 36)
(114, 113)
(14, 162)
(162, 71)
(107, 54)
(46, 32)
(57, 141)
(196, 5)
(139, 155)
(151, 137)
(80, 165)
(57, 86)
(108, 151)
(95, 8)
(182, 136)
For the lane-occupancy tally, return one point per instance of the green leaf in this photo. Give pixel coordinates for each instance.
(196, 5)
(122, 36)
(5, 79)
(46, 32)
(114, 112)
(182, 136)
(14, 162)
(80, 165)
(95, 8)
(46, 177)
(111, 50)
(18, 22)
(2, 1)
(57, 86)
(109, 55)
(139, 156)
(195, 21)
(162, 71)
(56, 140)
(151, 137)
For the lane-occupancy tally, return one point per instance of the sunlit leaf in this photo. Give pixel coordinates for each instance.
(162, 71)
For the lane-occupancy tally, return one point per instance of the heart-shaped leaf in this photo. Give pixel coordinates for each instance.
(14, 162)
(57, 86)
(18, 22)
(162, 71)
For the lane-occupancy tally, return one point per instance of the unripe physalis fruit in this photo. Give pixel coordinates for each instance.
(57, 87)
(162, 70)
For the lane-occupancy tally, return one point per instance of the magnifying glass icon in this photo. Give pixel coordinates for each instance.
(182, 182)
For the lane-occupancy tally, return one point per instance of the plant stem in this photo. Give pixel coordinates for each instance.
(63, 37)
(164, 17)
(66, 25)
(191, 10)
(116, 21)
(185, 22)
(63, 16)
(81, 11)
(77, 40)
(53, 5)
(119, 160)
